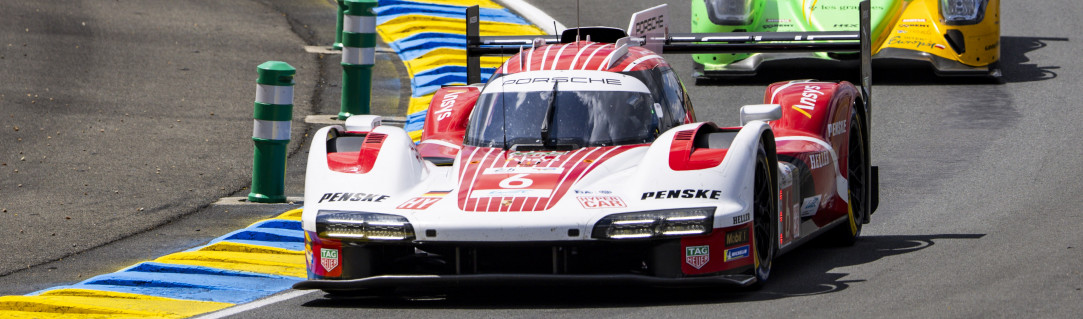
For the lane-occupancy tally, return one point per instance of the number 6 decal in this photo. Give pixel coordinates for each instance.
(517, 181)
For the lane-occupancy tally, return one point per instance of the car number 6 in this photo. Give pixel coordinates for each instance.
(517, 181)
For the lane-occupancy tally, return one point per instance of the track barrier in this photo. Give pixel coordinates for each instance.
(271, 131)
(358, 56)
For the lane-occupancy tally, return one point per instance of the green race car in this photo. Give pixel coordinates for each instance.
(958, 37)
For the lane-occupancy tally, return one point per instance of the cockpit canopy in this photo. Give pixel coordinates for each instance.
(562, 110)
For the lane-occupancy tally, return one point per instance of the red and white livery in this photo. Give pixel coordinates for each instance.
(581, 160)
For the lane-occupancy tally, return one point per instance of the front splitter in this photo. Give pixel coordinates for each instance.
(436, 281)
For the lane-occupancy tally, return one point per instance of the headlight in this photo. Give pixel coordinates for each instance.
(962, 12)
(729, 12)
(659, 223)
(362, 226)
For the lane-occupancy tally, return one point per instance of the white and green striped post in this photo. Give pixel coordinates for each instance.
(358, 56)
(340, 6)
(271, 131)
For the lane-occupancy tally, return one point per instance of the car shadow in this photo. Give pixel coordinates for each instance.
(808, 270)
(1014, 63)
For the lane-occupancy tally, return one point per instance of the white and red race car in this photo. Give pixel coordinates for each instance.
(581, 161)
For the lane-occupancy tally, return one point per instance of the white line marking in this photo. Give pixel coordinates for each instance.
(591, 56)
(640, 60)
(257, 304)
(441, 143)
(576, 60)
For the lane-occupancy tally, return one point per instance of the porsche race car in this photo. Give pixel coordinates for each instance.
(581, 161)
(957, 37)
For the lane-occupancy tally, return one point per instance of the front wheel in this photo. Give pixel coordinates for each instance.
(765, 218)
(858, 179)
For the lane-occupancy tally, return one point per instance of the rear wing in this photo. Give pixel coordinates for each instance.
(648, 29)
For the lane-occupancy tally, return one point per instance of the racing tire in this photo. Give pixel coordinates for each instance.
(764, 218)
(858, 178)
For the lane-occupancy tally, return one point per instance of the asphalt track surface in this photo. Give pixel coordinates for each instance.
(979, 212)
(123, 122)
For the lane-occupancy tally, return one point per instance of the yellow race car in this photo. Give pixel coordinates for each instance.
(958, 37)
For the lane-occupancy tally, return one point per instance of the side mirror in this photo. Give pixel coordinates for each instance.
(363, 123)
(761, 112)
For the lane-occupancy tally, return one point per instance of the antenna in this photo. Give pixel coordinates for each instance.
(577, 26)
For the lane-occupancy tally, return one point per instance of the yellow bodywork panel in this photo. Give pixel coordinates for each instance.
(920, 29)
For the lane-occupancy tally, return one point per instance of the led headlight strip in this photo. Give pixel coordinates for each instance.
(962, 12)
(658, 223)
(362, 226)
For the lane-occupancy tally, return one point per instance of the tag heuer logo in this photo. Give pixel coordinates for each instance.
(697, 256)
(328, 258)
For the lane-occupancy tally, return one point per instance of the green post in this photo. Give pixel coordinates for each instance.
(358, 56)
(271, 131)
(340, 6)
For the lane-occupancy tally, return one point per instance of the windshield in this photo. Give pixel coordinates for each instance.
(586, 108)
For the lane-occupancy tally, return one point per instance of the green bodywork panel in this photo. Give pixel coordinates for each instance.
(794, 16)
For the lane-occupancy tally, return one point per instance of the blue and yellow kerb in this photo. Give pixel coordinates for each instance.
(268, 257)
(430, 38)
(242, 266)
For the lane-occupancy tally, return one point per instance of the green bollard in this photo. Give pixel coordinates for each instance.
(340, 6)
(358, 56)
(271, 131)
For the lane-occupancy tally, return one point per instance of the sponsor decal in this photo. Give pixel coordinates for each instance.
(697, 256)
(992, 46)
(808, 100)
(523, 170)
(564, 79)
(543, 81)
(939, 46)
(913, 25)
(488, 193)
(846, 26)
(737, 253)
(737, 237)
(836, 128)
(585, 192)
(818, 160)
(447, 104)
(741, 219)
(648, 20)
(601, 201)
(778, 20)
(913, 20)
(328, 258)
(683, 193)
(809, 206)
(419, 203)
(785, 173)
(536, 154)
(774, 26)
(911, 41)
(352, 197)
